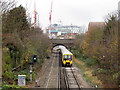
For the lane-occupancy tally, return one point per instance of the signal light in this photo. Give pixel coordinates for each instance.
(34, 58)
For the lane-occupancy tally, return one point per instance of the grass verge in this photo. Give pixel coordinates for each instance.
(87, 73)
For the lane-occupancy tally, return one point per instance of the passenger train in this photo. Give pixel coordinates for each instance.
(66, 56)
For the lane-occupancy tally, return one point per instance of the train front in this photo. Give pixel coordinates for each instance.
(67, 59)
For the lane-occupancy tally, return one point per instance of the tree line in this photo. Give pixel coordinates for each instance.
(20, 40)
(101, 45)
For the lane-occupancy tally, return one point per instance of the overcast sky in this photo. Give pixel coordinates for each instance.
(75, 12)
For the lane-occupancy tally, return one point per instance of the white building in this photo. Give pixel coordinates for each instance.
(58, 30)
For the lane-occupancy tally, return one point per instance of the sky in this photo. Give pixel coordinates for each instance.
(67, 12)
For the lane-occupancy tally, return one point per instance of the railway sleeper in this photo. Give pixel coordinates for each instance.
(72, 83)
(73, 86)
(70, 76)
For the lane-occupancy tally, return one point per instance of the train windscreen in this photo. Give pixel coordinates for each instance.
(67, 57)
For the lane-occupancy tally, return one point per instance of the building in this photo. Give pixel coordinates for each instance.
(65, 32)
(93, 25)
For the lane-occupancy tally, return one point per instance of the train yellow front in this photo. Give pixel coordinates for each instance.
(67, 56)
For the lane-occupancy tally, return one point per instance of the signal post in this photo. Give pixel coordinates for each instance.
(32, 61)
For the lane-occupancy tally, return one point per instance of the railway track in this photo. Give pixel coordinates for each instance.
(67, 78)
(70, 79)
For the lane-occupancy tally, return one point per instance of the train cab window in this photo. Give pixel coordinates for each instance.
(67, 57)
(70, 57)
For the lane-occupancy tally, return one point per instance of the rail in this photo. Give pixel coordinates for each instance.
(76, 80)
(67, 81)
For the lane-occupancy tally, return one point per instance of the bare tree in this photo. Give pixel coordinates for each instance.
(5, 6)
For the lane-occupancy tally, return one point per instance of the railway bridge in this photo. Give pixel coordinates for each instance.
(68, 43)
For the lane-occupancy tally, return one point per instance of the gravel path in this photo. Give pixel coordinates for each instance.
(48, 76)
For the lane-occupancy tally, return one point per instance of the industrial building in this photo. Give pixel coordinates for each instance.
(64, 32)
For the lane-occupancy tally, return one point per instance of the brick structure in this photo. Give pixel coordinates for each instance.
(93, 25)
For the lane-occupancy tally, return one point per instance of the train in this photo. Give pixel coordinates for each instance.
(66, 56)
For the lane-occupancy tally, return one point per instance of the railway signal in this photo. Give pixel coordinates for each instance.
(34, 59)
